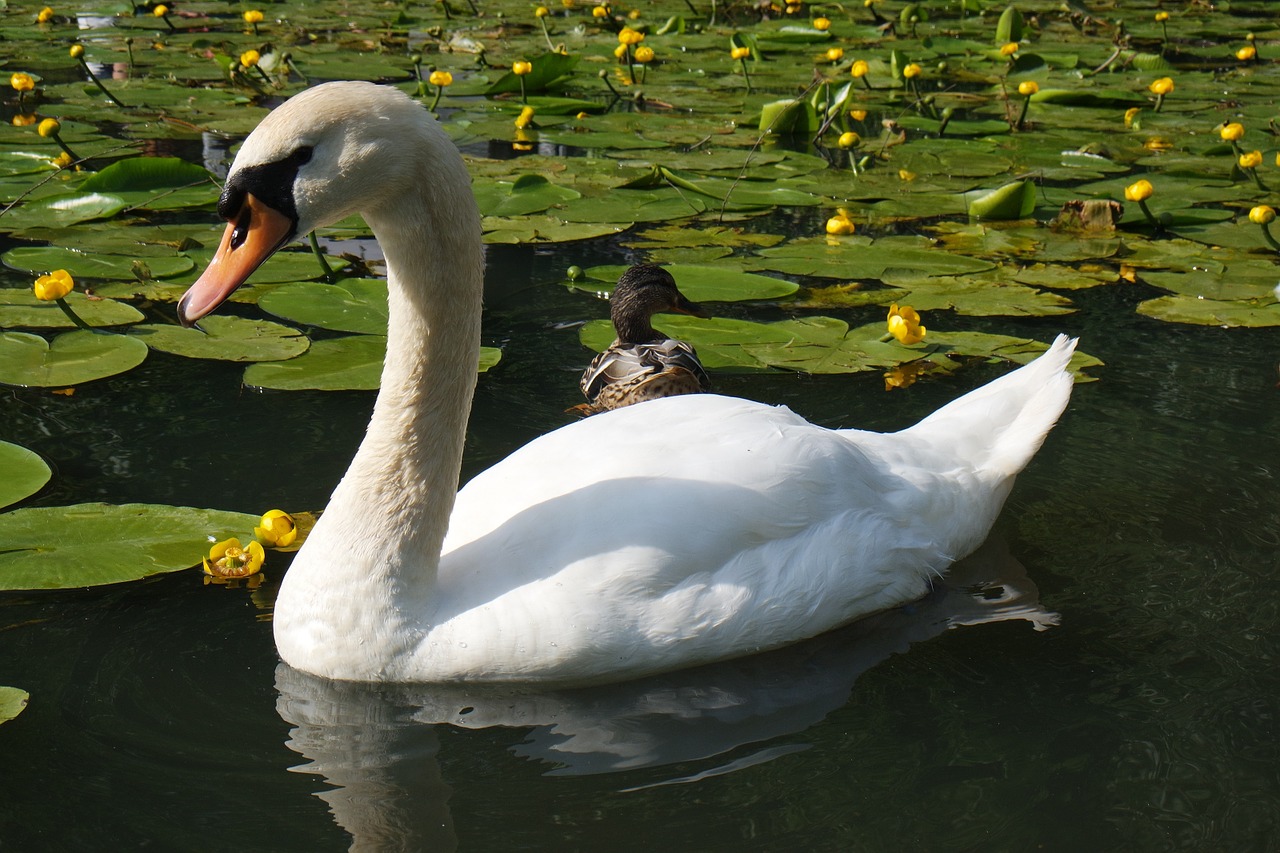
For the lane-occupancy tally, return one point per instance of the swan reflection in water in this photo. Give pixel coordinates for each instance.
(376, 744)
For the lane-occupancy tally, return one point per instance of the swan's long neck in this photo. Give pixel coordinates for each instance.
(394, 503)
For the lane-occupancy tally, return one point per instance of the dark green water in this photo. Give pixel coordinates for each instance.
(1145, 720)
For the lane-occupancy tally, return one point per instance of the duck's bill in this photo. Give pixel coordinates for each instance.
(252, 236)
(684, 306)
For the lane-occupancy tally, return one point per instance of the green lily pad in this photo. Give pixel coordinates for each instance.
(25, 473)
(65, 547)
(352, 363)
(70, 359)
(1211, 312)
(1011, 201)
(71, 208)
(226, 338)
(351, 305)
(547, 68)
(703, 283)
(528, 194)
(21, 308)
(857, 257)
(13, 701)
(42, 259)
(147, 173)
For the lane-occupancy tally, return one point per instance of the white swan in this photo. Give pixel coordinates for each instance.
(658, 536)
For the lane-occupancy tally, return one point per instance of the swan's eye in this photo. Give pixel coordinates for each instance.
(302, 155)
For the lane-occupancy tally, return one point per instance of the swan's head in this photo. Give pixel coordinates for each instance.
(324, 154)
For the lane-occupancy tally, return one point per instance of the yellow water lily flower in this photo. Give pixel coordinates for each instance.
(1231, 131)
(250, 58)
(45, 15)
(51, 127)
(277, 529)
(1161, 87)
(62, 161)
(253, 16)
(1246, 53)
(620, 51)
(25, 119)
(834, 54)
(859, 68)
(848, 139)
(822, 24)
(1009, 48)
(644, 54)
(525, 118)
(628, 36)
(906, 175)
(521, 68)
(740, 52)
(911, 71)
(839, 225)
(1161, 17)
(1139, 190)
(858, 115)
(1027, 88)
(22, 82)
(227, 559)
(1262, 214)
(440, 78)
(76, 51)
(541, 12)
(160, 11)
(904, 324)
(1130, 114)
(600, 12)
(55, 285)
(1250, 160)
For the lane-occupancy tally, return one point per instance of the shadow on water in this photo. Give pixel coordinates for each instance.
(379, 746)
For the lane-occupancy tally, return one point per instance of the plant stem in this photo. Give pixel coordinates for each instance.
(75, 318)
(94, 77)
(319, 253)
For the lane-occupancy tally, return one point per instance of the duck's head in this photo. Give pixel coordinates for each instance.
(324, 154)
(642, 291)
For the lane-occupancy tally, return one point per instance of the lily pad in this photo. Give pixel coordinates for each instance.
(528, 194)
(352, 363)
(226, 338)
(65, 547)
(13, 701)
(70, 359)
(42, 259)
(25, 473)
(1211, 312)
(21, 308)
(350, 305)
(703, 283)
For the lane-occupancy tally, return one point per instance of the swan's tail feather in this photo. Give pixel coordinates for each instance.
(998, 428)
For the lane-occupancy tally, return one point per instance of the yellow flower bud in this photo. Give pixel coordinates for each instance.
(25, 119)
(45, 15)
(1232, 131)
(1262, 214)
(160, 11)
(859, 68)
(55, 285)
(904, 324)
(22, 82)
(1163, 86)
(1250, 160)
(1161, 17)
(62, 161)
(1027, 88)
(620, 52)
(848, 139)
(1009, 49)
(822, 24)
(49, 127)
(906, 175)
(740, 52)
(76, 51)
(644, 54)
(1139, 190)
(541, 12)
(440, 78)
(253, 16)
(525, 118)
(250, 58)
(1130, 114)
(912, 70)
(1246, 53)
(839, 225)
(835, 54)
(521, 68)
(277, 529)
(628, 36)
(600, 12)
(858, 115)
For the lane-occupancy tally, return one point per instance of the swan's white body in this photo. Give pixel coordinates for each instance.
(731, 526)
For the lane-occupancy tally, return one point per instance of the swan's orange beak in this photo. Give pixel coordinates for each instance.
(252, 236)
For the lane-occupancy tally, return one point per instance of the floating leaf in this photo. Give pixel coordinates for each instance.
(65, 547)
(21, 308)
(528, 194)
(704, 283)
(71, 208)
(226, 338)
(147, 173)
(25, 473)
(13, 702)
(1211, 312)
(42, 259)
(547, 68)
(73, 357)
(350, 305)
(352, 363)
(1011, 201)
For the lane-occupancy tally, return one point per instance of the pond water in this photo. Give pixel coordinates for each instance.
(1142, 541)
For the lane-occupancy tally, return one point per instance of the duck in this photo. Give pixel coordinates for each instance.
(647, 539)
(642, 363)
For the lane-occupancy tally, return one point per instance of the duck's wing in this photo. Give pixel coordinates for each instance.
(629, 365)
